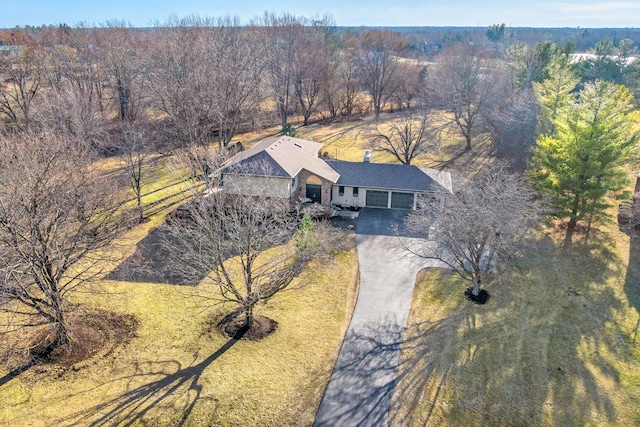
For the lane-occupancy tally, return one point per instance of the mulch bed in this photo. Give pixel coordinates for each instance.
(91, 334)
(262, 327)
(482, 297)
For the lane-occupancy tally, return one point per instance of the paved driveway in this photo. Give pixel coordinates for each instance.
(359, 391)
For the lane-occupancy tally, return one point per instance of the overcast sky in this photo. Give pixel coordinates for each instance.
(514, 13)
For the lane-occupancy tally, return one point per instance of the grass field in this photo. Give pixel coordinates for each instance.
(178, 367)
(347, 140)
(555, 345)
(174, 366)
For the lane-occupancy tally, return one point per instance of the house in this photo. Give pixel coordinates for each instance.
(9, 51)
(290, 168)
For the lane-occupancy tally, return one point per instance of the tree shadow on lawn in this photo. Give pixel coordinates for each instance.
(467, 160)
(168, 400)
(152, 262)
(538, 353)
(632, 278)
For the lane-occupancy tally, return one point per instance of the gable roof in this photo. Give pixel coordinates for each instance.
(387, 176)
(280, 157)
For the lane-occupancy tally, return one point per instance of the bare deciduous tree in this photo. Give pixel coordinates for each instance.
(180, 83)
(70, 113)
(133, 146)
(56, 215)
(408, 137)
(311, 66)
(479, 227)
(344, 88)
(378, 63)
(410, 84)
(280, 41)
(235, 71)
(201, 162)
(459, 82)
(245, 245)
(512, 125)
(71, 65)
(20, 81)
(120, 50)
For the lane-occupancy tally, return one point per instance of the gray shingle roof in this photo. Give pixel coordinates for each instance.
(281, 157)
(387, 176)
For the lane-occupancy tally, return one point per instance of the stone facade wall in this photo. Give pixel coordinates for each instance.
(257, 186)
(301, 190)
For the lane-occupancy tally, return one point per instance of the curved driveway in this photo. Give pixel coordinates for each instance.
(359, 391)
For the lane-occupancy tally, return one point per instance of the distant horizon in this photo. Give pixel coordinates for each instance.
(578, 14)
(481, 27)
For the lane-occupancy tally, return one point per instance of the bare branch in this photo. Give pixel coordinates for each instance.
(478, 228)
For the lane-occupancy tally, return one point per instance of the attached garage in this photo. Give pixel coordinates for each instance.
(384, 185)
(402, 200)
(377, 199)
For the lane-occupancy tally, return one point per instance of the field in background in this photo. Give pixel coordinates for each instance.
(348, 139)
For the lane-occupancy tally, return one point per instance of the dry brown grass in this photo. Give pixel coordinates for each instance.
(180, 368)
(348, 139)
(556, 344)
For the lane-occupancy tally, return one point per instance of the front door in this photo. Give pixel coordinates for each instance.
(314, 192)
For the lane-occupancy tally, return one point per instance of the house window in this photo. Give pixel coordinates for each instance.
(355, 191)
(341, 190)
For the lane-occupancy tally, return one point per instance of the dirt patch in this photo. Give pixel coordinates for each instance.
(234, 327)
(96, 333)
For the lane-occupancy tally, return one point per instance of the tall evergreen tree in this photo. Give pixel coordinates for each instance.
(554, 92)
(579, 165)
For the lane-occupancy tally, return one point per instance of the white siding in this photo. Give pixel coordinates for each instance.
(348, 199)
(257, 186)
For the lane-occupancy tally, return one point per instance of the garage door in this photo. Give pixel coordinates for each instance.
(377, 199)
(401, 200)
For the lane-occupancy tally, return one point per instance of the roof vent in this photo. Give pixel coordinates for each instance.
(367, 156)
(297, 145)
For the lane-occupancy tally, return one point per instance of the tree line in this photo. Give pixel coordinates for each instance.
(197, 80)
(70, 94)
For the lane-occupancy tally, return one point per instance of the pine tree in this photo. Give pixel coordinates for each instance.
(581, 164)
(554, 92)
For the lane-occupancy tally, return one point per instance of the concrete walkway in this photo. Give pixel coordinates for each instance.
(360, 388)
